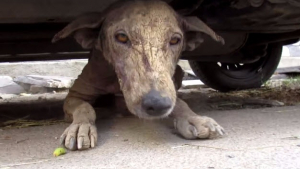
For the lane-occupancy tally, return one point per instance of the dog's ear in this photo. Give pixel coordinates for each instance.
(84, 28)
(194, 29)
(87, 38)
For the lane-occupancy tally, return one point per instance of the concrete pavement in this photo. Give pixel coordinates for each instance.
(267, 138)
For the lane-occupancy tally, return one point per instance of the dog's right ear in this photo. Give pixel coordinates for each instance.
(83, 29)
(194, 29)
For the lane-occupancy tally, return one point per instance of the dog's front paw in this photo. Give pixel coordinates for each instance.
(193, 127)
(79, 136)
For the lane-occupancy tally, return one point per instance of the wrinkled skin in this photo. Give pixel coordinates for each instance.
(149, 29)
(141, 65)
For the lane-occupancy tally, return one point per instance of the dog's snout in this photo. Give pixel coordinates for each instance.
(156, 105)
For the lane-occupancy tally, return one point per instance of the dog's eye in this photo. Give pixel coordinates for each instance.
(122, 38)
(174, 40)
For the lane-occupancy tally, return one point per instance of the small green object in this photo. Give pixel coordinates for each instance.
(59, 151)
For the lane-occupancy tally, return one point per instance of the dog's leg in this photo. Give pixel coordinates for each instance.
(177, 77)
(82, 133)
(97, 78)
(189, 124)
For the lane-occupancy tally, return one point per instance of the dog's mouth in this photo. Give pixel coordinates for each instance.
(143, 114)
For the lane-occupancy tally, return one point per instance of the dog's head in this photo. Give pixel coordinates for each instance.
(143, 41)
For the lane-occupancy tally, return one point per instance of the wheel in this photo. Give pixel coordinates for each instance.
(227, 76)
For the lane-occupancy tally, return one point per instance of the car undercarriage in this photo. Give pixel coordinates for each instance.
(254, 33)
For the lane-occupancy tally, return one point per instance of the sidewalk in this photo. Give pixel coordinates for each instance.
(257, 138)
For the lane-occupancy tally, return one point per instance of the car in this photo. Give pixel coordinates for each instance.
(254, 31)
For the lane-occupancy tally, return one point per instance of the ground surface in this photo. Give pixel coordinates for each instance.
(257, 138)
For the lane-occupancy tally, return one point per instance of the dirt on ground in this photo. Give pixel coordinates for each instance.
(285, 95)
(210, 99)
(26, 111)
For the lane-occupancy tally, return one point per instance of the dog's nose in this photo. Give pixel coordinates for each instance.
(156, 105)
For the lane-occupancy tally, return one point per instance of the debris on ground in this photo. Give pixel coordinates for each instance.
(288, 70)
(59, 151)
(8, 86)
(291, 138)
(209, 99)
(275, 96)
(26, 98)
(23, 123)
(34, 84)
(20, 141)
(46, 81)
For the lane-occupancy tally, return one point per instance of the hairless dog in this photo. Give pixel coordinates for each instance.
(135, 49)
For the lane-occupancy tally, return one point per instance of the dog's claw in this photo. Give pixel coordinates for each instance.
(62, 139)
(79, 136)
(92, 141)
(221, 131)
(72, 144)
(80, 142)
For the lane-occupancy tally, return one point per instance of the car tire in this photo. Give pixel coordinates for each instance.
(228, 77)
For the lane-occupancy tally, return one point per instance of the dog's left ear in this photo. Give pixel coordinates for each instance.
(194, 28)
(85, 30)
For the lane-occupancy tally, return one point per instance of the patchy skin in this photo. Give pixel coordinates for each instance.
(150, 32)
(147, 62)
